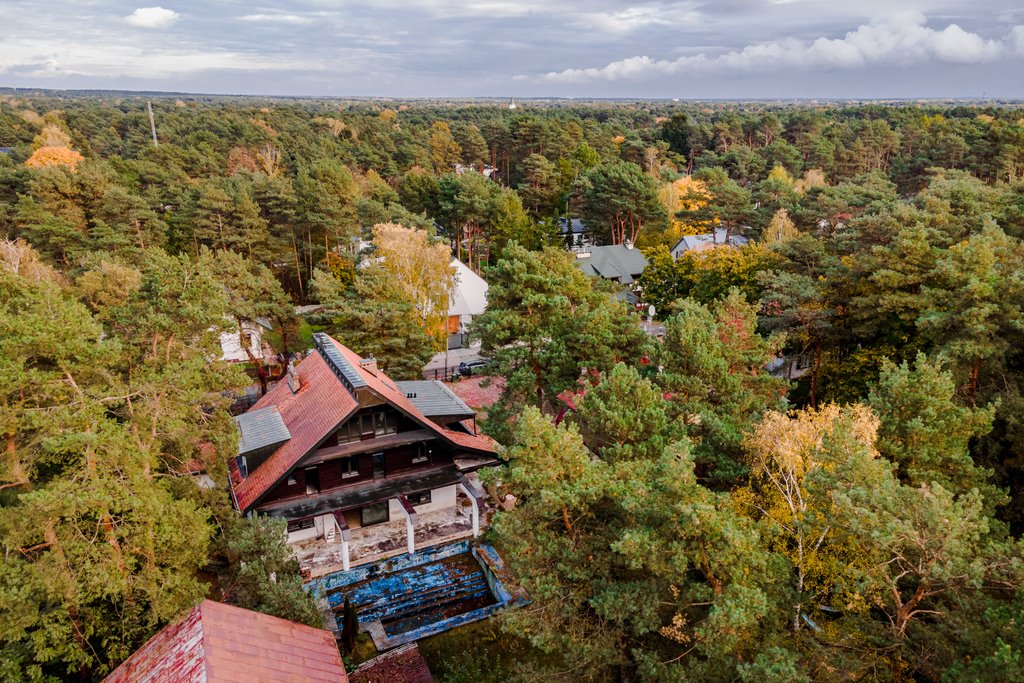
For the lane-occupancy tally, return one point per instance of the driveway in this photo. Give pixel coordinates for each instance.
(444, 367)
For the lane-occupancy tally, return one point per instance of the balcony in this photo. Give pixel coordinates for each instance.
(320, 556)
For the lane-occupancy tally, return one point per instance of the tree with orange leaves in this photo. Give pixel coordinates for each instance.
(54, 156)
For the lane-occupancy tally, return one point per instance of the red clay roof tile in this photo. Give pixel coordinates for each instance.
(218, 643)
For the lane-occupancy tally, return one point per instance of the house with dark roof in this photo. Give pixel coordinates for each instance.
(339, 448)
(218, 643)
(622, 263)
(719, 238)
(576, 234)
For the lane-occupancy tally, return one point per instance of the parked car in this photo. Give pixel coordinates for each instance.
(473, 367)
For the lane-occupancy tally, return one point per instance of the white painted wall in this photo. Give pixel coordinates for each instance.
(440, 499)
(231, 342)
(304, 535)
(316, 531)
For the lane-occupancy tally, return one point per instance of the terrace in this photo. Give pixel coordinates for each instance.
(319, 557)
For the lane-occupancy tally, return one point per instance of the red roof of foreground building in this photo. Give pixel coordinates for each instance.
(218, 643)
(319, 405)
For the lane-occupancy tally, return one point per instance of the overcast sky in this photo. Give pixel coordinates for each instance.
(521, 48)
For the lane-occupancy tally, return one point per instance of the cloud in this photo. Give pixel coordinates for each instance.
(128, 61)
(293, 19)
(902, 40)
(152, 17)
(1017, 39)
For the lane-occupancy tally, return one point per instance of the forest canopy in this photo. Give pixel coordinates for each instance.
(814, 473)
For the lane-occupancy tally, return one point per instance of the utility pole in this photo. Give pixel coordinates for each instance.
(152, 122)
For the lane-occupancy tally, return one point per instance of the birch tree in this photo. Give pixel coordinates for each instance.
(424, 270)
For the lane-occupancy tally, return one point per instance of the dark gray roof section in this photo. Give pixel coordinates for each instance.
(261, 428)
(341, 367)
(433, 398)
(613, 262)
(572, 225)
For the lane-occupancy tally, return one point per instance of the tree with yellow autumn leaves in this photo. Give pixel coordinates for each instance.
(423, 268)
(53, 148)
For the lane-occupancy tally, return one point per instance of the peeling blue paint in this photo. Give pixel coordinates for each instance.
(411, 596)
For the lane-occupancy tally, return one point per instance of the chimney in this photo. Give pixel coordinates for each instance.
(294, 381)
(369, 364)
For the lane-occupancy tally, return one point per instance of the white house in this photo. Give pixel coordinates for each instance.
(468, 299)
(487, 171)
(234, 343)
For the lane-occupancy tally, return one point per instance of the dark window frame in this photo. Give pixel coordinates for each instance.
(421, 498)
(387, 514)
(301, 524)
(312, 483)
(350, 467)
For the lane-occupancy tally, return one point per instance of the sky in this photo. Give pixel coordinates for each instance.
(697, 49)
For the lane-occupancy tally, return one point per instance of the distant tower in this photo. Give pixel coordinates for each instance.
(511, 103)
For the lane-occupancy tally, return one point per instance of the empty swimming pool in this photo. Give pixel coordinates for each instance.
(408, 597)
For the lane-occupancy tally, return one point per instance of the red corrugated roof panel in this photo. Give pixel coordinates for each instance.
(219, 643)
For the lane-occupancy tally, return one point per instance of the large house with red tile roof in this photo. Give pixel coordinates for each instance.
(215, 642)
(339, 446)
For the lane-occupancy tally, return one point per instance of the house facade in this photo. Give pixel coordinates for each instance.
(248, 337)
(339, 447)
(575, 234)
(468, 300)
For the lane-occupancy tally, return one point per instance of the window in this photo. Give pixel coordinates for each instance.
(300, 524)
(350, 467)
(421, 498)
(367, 421)
(292, 481)
(385, 422)
(312, 475)
(375, 423)
(349, 431)
(422, 453)
(375, 514)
